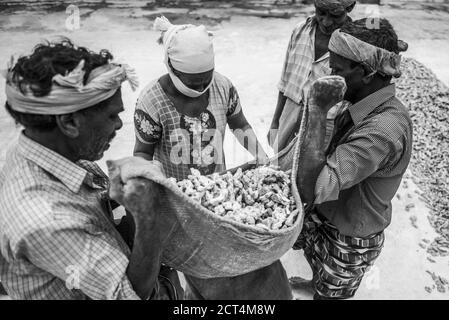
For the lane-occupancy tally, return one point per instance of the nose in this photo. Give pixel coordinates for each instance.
(327, 21)
(118, 124)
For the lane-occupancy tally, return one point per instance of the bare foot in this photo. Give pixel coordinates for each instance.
(302, 287)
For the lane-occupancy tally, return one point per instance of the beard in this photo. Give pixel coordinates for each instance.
(93, 149)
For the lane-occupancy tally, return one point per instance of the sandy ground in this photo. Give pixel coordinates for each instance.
(250, 51)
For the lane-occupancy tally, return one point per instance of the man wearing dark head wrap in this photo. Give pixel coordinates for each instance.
(307, 59)
(348, 186)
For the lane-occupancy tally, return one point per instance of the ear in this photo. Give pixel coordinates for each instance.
(367, 77)
(351, 7)
(69, 124)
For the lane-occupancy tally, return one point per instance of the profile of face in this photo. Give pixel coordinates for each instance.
(195, 81)
(330, 20)
(353, 73)
(97, 128)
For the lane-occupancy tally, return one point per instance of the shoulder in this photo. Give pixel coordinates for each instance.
(390, 123)
(151, 94)
(222, 85)
(303, 26)
(221, 80)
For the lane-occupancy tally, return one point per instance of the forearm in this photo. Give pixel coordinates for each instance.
(248, 139)
(145, 259)
(312, 158)
(279, 108)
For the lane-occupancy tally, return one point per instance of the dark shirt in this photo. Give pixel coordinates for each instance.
(355, 188)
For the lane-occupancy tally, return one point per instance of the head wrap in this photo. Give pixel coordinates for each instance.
(189, 49)
(375, 58)
(334, 6)
(68, 93)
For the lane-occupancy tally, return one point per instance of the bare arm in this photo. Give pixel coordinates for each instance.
(143, 150)
(145, 259)
(245, 135)
(325, 93)
(277, 115)
(140, 197)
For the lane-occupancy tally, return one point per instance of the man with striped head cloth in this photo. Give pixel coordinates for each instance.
(348, 184)
(58, 239)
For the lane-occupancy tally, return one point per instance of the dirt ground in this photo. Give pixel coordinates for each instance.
(250, 51)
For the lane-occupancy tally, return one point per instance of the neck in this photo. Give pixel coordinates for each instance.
(365, 91)
(53, 141)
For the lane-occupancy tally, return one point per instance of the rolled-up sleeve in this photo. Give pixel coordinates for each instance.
(86, 257)
(365, 152)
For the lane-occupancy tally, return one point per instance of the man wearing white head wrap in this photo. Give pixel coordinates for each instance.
(307, 59)
(53, 196)
(349, 185)
(180, 121)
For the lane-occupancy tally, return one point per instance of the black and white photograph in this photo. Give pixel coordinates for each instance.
(253, 150)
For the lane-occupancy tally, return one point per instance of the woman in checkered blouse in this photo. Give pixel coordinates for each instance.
(180, 120)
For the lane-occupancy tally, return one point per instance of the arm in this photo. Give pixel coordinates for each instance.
(245, 135)
(143, 150)
(324, 93)
(144, 262)
(141, 199)
(148, 130)
(82, 255)
(277, 115)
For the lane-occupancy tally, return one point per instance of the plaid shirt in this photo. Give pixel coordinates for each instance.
(355, 188)
(57, 236)
(301, 68)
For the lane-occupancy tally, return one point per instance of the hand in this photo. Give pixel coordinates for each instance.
(137, 195)
(326, 92)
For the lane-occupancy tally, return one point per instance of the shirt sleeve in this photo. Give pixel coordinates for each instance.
(234, 106)
(147, 125)
(366, 151)
(283, 81)
(84, 256)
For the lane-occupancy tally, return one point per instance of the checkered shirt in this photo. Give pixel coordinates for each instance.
(355, 188)
(301, 68)
(57, 236)
(155, 108)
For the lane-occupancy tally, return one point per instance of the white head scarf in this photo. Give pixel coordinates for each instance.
(189, 49)
(68, 93)
(375, 58)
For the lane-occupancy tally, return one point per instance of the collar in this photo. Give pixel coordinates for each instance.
(360, 110)
(313, 26)
(71, 174)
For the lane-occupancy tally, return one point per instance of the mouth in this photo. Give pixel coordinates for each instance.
(327, 30)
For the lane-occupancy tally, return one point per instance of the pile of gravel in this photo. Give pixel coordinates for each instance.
(428, 101)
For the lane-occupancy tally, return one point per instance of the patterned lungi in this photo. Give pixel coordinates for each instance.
(338, 262)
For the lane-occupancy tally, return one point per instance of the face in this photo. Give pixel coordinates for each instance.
(98, 127)
(195, 81)
(330, 20)
(353, 73)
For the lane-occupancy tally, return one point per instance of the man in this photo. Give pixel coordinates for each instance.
(57, 235)
(307, 59)
(352, 183)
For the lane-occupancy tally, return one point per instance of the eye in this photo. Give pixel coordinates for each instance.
(320, 12)
(337, 16)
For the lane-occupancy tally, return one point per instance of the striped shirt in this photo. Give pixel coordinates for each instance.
(355, 188)
(301, 68)
(57, 236)
(183, 142)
